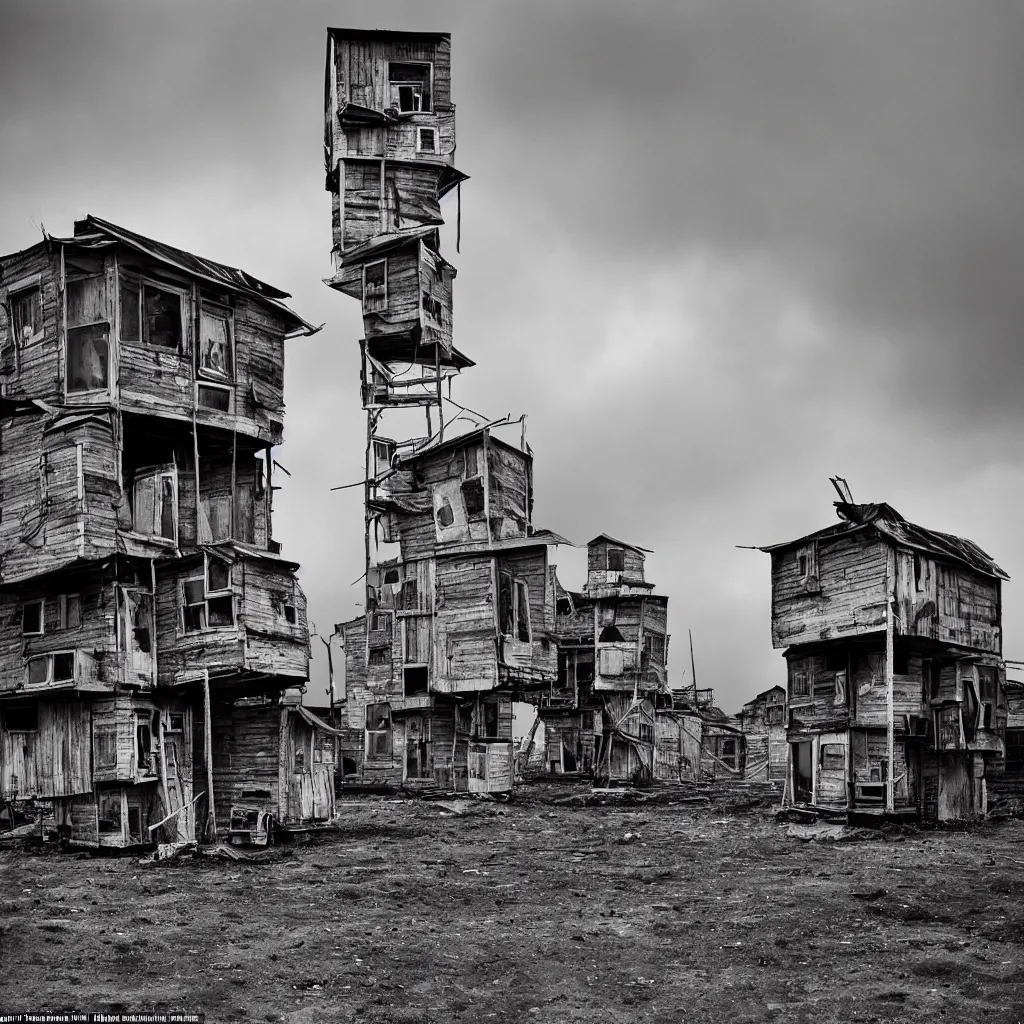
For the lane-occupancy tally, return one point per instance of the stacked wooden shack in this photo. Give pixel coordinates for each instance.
(142, 595)
(600, 713)
(763, 721)
(459, 592)
(892, 636)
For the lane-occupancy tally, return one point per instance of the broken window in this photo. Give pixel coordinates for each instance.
(473, 496)
(415, 679)
(155, 503)
(378, 730)
(143, 746)
(88, 356)
(426, 140)
(379, 655)
(615, 559)
(26, 315)
(215, 343)
(839, 697)
(409, 86)
(207, 599)
(375, 286)
(161, 317)
(513, 608)
(432, 308)
(32, 618)
(21, 717)
(445, 514)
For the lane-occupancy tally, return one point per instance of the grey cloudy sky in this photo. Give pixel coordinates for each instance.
(716, 251)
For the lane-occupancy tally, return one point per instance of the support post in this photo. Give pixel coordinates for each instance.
(211, 814)
(889, 724)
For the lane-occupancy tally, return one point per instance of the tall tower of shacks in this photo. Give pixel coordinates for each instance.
(148, 621)
(459, 602)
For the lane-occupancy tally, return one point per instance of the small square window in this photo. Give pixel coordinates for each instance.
(63, 667)
(176, 722)
(289, 614)
(221, 611)
(32, 618)
(213, 398)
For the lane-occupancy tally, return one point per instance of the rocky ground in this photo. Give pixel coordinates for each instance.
(532, 910)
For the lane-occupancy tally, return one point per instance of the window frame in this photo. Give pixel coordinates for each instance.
(429, 64)
(41, 601)
(156, 475)
(368, 746)
(217, 386)
(141, 280)
(62, 611)
(208, 595)
(218, 312)
(49, 658)
(796, 667)
(383, 304)
(434, 150)
(30, 283)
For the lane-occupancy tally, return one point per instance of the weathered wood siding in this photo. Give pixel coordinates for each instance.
(947, 602)
(846, 597)
(465, 644)
(52, 761)
(247, 758)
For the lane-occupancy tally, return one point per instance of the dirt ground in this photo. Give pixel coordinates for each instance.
(531, 911)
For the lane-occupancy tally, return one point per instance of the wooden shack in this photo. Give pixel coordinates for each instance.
(893, 644)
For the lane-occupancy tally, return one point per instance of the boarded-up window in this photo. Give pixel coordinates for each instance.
(375, 286)
(161, 317)
(611, 661)
(215, 350)
(833, 756)
(88, 357)
(87, 301)
(378, 730)
(799, 679)
(26, 315)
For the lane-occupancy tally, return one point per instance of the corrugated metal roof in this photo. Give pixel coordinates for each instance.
(885, 520)
(92, 229)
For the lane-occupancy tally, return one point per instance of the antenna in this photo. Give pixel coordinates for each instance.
(842, 488)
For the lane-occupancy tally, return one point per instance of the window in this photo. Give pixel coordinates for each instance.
(585, 667)
(491, 719)
(610, 635)
(806, 563)
(514, 608)
(26, 314)
(654, 648)
(88, 356)
(839, 695)
(155, 504)
(920, 577)
(833, 756)
(409, 86)
(175, 722)
(378, 730)
(410, 595)
(215, 343)
(150, 314)
(32, 618)
(51, 668)
(105, 737)
(207, 600)
(375, 286)
(432, 308)
(473, 496)
(773, 715)
(799, 679)
(215, 397)
(69, 611)
(21, 717)
(615, 559)
(415, 679)
(426, 140)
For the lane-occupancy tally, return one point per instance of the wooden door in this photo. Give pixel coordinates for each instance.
(803, 772)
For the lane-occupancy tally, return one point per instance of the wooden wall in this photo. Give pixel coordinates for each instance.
(53, 761)
(465, 634)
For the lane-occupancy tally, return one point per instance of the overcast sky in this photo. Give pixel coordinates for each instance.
(715, 251)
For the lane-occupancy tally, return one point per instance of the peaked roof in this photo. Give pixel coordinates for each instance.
(93, 229)
(619, 543)
(887, 522)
